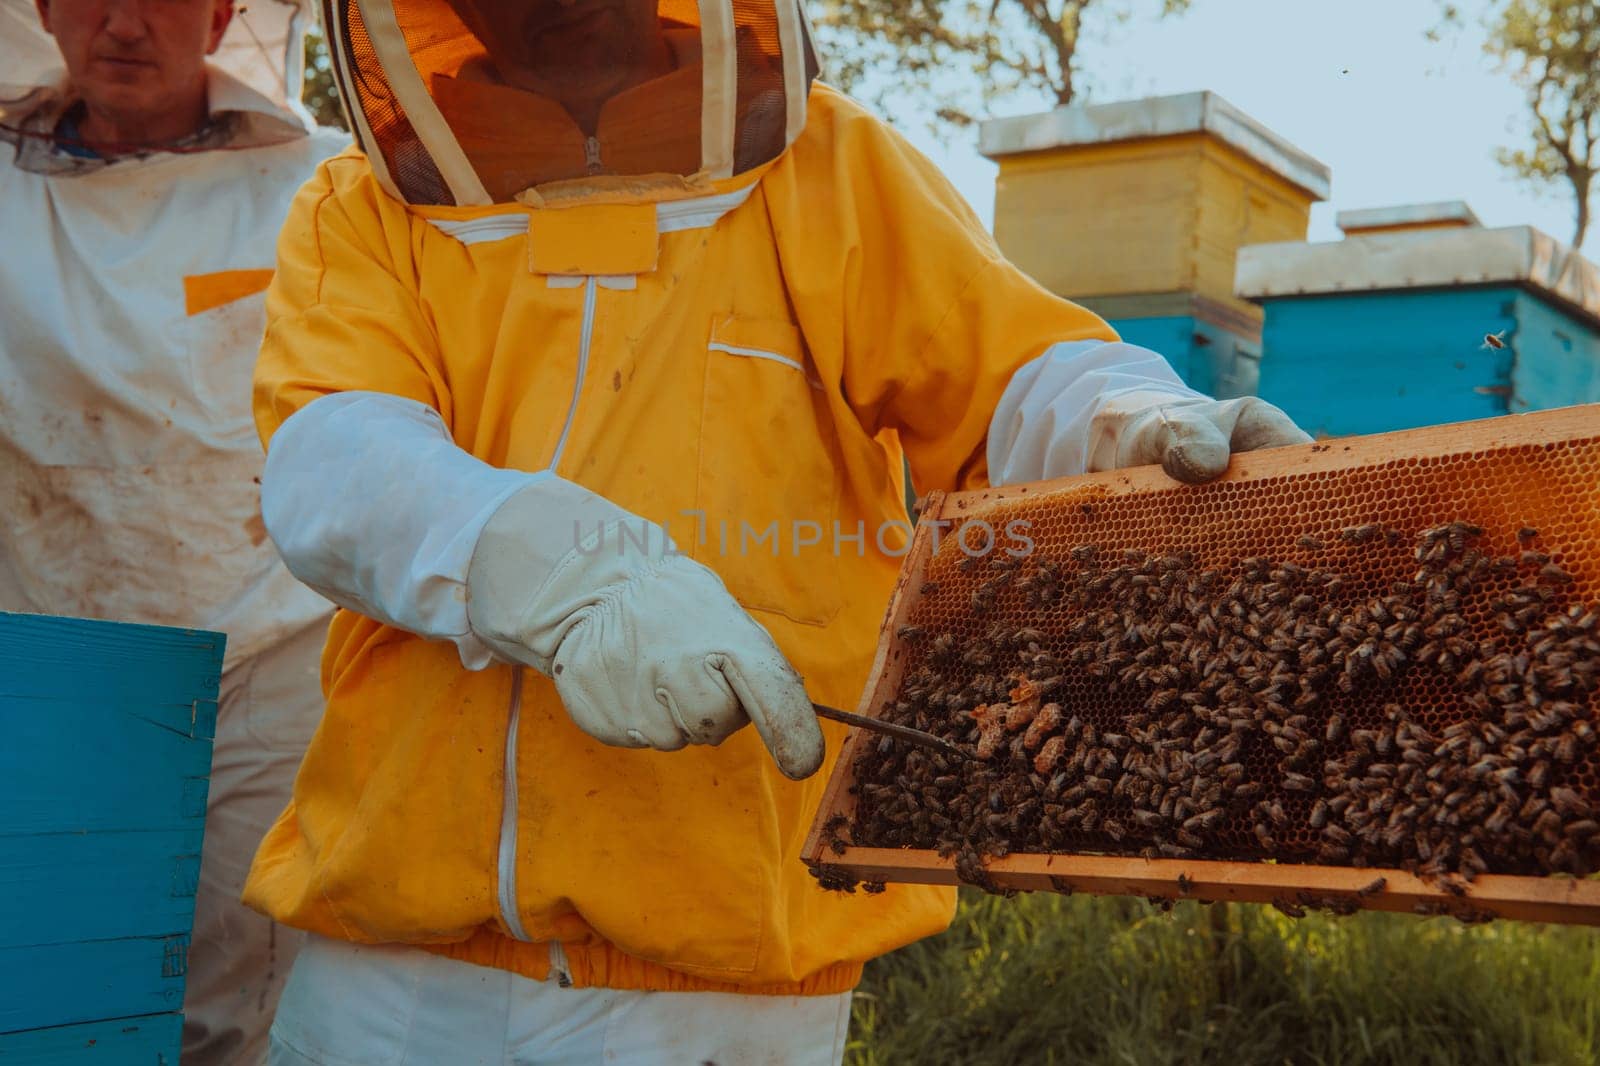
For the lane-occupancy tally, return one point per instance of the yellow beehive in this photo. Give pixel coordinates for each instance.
(1140, 207)
(1407, 218)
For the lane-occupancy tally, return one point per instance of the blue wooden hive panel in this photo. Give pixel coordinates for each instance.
(1370, 362)
(1557, 358)
(108, 752)
(1208, 358)
(152, 1041)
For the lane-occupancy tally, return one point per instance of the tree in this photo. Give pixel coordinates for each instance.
(955, 57)
(320, 90)
(950, 58)
(1552, 48)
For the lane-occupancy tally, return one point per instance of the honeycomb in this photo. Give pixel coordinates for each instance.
(1390, 663)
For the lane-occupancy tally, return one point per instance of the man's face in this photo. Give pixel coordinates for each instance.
(136, 57)
(570, 50)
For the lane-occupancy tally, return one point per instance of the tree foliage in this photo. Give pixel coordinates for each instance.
(953, 58)
(319, 90)
(946, 58)
(1552, 49)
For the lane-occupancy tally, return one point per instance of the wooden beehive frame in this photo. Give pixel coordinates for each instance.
(1549, 899)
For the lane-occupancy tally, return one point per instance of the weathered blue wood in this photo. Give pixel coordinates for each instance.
(98, 661)
(75, 659)
(71, 765)
(60, 887)
(60, 984)
(1557, 360)
(1206, 356)
(148, 1041)
(1369, 362)
(1171, 335)
(105, 755)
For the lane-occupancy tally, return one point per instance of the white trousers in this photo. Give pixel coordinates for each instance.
(239, 960)
(389, 1005)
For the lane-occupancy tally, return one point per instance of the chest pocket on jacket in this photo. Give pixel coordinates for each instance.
(225, 318)
(769, 477)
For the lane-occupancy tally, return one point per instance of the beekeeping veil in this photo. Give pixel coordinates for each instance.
(444, 123)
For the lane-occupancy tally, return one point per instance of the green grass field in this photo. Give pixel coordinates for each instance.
(1048, 979)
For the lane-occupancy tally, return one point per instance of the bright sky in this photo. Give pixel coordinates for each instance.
(1412, 121)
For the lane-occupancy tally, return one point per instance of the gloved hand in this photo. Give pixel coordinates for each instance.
(646, 646)
(1191, 437)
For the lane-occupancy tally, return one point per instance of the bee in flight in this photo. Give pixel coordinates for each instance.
(1495, 340)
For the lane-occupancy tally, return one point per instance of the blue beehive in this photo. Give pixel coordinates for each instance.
(1388, 330)
(1136, 210)
(105, 757)
(1212, 347)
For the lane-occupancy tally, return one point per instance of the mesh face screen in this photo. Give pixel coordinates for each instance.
(594, 108)
(761, 112)
(1393, 664)
(408, 162)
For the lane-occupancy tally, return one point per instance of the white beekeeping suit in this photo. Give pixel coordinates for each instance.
(131, 310)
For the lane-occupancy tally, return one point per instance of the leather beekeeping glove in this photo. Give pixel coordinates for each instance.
(646, 646)
(1190, 436)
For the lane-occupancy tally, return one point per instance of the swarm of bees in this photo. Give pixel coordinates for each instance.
(1442, 724)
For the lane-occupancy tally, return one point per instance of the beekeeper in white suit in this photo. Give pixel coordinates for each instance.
(148, 152)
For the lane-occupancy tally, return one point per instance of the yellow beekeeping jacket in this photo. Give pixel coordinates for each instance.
(764, 353)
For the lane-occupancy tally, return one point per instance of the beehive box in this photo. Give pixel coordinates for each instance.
(104, 766)
(1387, 331)
(1176, 690)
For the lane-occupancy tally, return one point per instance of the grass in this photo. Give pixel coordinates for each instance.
(1050, 979)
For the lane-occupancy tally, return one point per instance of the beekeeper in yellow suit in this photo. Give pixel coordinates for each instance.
(586, 387)
(148, 153)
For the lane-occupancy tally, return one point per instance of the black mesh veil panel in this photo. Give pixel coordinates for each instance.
(521, 128)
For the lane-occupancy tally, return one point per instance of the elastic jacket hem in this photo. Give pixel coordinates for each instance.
(603, 965)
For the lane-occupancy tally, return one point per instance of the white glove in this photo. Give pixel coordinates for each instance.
(646, 646)
(1086, 406)
(1190, 436)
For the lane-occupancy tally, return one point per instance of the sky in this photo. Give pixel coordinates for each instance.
(1355, 84)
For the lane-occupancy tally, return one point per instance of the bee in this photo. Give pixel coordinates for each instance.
(1554, 574)
(1567, 748)
(1567, 801)
(1298, 783)
(1333, 854)
(1289, 907)
(1373, 888)
(1309, 543)
(1494, 341)
(1359, 534)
